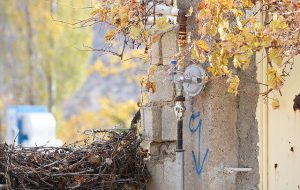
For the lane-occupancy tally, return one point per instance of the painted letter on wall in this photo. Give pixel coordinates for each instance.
(198, 163)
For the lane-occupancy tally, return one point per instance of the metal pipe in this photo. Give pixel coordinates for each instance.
(179, 157)
(179, 146)
(179, 170)
(179, 104)
(182, 37)
(179, 110)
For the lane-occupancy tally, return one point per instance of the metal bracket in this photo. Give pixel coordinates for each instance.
(228, 170)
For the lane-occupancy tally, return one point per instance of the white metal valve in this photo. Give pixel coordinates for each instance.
(196, 77)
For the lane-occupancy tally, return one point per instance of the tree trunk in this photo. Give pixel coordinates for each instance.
(31, 96)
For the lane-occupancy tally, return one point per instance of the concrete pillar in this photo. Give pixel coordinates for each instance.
(218, 138)
(218, 112)
(247, 130)
(222, 123)
(158, 118)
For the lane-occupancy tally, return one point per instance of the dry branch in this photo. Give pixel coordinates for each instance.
(106, 160)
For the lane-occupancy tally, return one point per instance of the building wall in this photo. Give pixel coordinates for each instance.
(228, 131)
(242, 131)
(247, 129)
(280, 136)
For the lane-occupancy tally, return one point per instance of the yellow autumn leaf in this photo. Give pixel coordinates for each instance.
(243, 60)
(236, 62)
(226, 71)
(213, 30)
(252, 19)
(162, 23)
(150, 86)
(247, 3)
(223, 27)
(190, 12)
(141, 79)
(276, 56)
(155, 38)
(278, 23)
(226, 3)
(239, 13)
(266, 41)
(213, 70)
(234, 82)
(134, 32)
(202, 45)
(152, 69)
(205, 13)
(114, 10)
(275, 104)
(194, 54)
(123, 14)
(198, 56)
(109, 35)
(153, 87)
(224, 24)
(209, 28)
(239, 24)
(275, 81)
(258, 28)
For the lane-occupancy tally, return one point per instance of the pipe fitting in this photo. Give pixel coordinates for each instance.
(179, 109)
(228, 170)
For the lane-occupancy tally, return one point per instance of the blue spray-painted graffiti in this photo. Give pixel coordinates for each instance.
(199, 165)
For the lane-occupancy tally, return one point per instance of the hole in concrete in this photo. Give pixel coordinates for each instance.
(296, 105)
(276, 165)
(292, 149)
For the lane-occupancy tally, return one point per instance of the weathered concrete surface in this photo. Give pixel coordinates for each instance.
(151, 122)
(156, 53)
(163, 174)
(247, 129)
(169, 46)
(165, 90)
(219, 116)
(218, 112)
(169, 123)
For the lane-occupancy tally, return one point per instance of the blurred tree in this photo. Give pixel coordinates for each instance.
(112, 113)
(42, 62)
(42, 51)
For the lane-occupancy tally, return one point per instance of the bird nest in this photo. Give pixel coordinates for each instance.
(105, 159)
